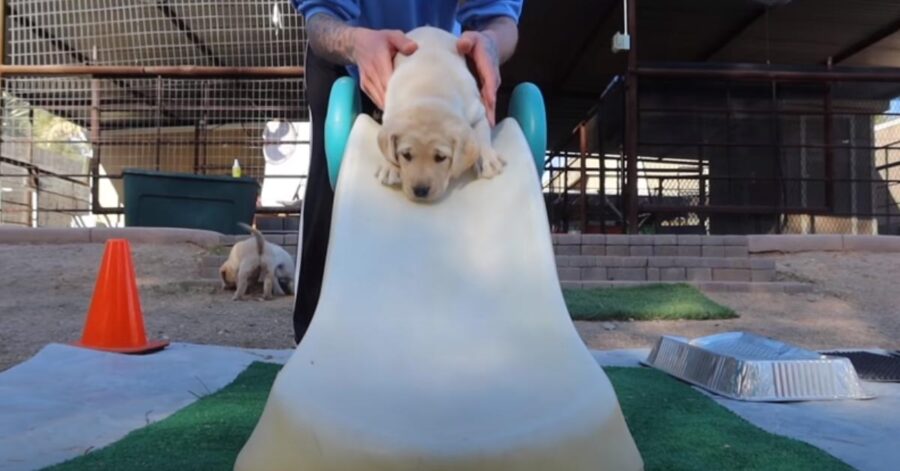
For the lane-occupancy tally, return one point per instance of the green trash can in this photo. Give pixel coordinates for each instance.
(215, 203)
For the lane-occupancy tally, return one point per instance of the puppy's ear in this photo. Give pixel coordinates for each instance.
(387, 141)
(466, 149)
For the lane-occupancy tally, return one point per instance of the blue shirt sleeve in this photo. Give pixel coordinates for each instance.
(474, 14)
(344, 10)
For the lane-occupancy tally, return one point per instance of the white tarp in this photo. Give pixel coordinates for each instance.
(65, 400)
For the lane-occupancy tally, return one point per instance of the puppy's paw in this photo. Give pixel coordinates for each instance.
(490, 164)
(388, 175)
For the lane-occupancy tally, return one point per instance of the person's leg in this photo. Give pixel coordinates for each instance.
(316, 212)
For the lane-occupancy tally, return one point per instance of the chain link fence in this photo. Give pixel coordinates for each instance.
(67, 139)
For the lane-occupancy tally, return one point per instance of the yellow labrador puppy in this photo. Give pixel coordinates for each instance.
(434, 123)
(257, 260)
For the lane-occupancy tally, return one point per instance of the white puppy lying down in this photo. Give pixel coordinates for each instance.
(256, 259)
(435, 126)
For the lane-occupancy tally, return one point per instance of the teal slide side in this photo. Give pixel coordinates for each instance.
(343, 107)
(526, 106)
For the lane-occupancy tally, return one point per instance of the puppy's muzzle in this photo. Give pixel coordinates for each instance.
(421, 191)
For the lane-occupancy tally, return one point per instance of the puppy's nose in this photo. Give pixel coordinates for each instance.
(421, 191)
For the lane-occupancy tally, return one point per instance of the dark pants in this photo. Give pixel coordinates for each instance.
(319, 77)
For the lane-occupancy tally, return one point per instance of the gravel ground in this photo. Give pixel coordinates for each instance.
(45, 291)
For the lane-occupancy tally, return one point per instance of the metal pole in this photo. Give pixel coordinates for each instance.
(601, 148)
(829, 149)
(583, 145)
(203, 130)
(854, 204)
(779, 180)
(158, 120)
(804, 175)
(196, 147)
(631, 123)
(566, 194)
(95, 146)
(33, 200)
(2, 33)
(141, 71)
(2, 81)
(887, 191)
(842, 74)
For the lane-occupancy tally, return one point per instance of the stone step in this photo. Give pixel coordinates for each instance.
(648, 239)
(607, 268)
(281, 238)
(756, 263)
(709, 286)
(651, 245)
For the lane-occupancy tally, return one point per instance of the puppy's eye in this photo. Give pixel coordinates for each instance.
(406, 155)
(439, 158)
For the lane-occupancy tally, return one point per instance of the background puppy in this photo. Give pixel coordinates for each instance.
(435, 126)
(256, 260)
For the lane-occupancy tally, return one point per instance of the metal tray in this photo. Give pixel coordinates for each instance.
(747, 367)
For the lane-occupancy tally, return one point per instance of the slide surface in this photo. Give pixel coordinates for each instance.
(441, 339)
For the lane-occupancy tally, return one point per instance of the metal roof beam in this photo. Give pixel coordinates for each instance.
(163, 7)
(574, 59)
(72, 51)
(865, 43)
(47, 35)
(733, 34)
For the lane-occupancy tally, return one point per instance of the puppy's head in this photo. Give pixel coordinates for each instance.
(429, 146)
(287, 284)
(228, 275)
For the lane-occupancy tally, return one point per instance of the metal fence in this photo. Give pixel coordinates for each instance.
(94, 87)
(722, 154)
(236, 33)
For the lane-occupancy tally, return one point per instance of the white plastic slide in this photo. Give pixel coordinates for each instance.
(441, 339)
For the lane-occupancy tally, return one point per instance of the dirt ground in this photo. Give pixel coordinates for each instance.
(854, 304)
(45, 291)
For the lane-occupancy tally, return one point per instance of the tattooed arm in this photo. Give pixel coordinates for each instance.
(371, 50)
(488, 47)
(331, 38)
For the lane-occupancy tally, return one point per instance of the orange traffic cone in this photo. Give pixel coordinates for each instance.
(115, 322)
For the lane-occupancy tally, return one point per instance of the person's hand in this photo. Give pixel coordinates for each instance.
(482, 49)
(373, 53)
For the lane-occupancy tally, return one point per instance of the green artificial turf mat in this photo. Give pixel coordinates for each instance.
(207, 435)
(675, 427)
(642, 303)
(678, 428)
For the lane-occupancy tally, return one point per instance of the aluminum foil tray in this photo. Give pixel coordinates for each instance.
(748, 367)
